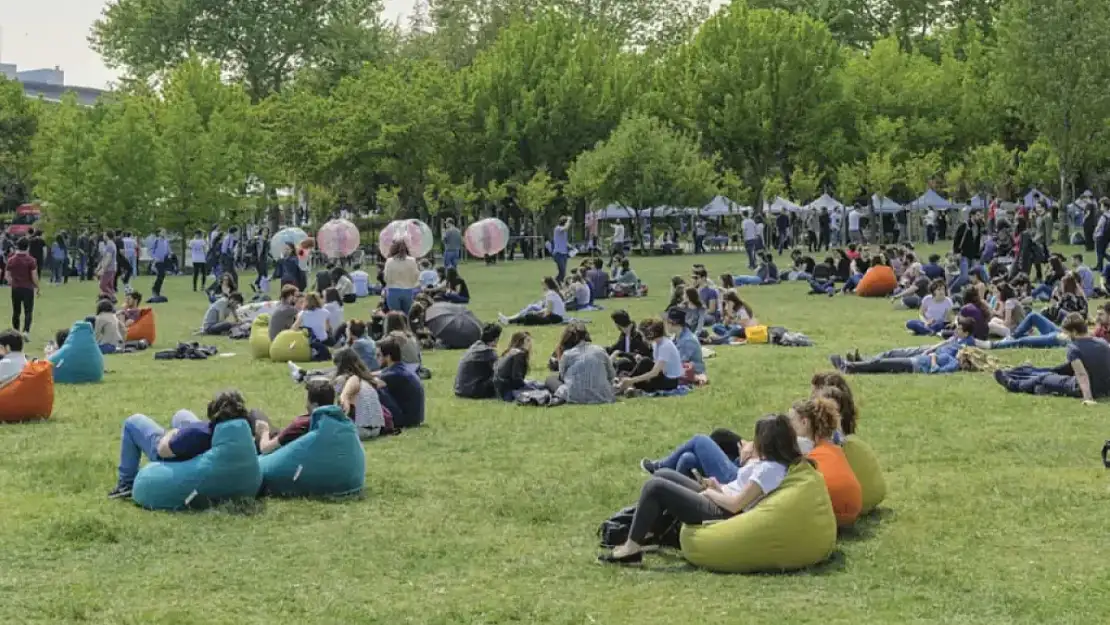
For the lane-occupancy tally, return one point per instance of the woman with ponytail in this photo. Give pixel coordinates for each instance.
(816, 421)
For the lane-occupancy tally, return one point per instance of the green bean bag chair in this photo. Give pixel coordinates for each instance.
(791, 528)
(865, 464)
(328, 461)
(79, 360)
(227, 471)
(291, 346)
(260, 337)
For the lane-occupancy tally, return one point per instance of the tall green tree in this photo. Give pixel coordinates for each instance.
(536, 194)
(760, 87)
(644, 164)
(1052, 60)
(63, 150)
(990, 169)
(122, 176)
(19, 121)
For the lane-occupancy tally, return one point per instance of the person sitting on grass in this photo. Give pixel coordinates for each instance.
(358, 339)
(1085, 374)
(598, 280)
(737, 316)
(187, 438)
(337, 325)
(661, 372)
(775, 450)
(285, 314)
(12, 358)
(358, 391)
(396, 325)
(109, 330)
(689, 348)
(220, 317)
(936, 311)
(403, 388)
(131, 311)
(952, 357)
(585, 373)
(553, 311)
(314, 321)
(1102, 323)
(709, 296)
(223, 288)
(693, 308)
(630, 343)
(578, 293)
(343, 284)
(455, 289)
(510, 372)
(835, 386)
(360, 281)
(319, 393)
(474, 379)
(625, 281)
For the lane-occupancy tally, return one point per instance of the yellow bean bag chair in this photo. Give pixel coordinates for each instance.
(260, 337)
(865, 464)
(792, 528)
(877, 282)
(290, 346)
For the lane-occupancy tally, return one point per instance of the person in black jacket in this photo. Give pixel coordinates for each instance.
(967, 244)
(630, 345)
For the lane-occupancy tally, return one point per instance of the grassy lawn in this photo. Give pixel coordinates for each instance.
(996, 513)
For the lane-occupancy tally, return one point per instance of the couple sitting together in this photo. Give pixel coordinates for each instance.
(712, 478)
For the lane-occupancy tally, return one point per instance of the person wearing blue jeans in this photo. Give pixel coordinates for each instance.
(747, 280)
(399, 299)
(143, 436)
(1050, 334)
(452, 244)
(560, 247)
(700, 453)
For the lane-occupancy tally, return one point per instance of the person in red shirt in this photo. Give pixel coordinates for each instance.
(320, 393)
(23, 276)
(1102, 323)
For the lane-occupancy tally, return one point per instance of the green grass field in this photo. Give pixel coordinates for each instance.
(996, 512)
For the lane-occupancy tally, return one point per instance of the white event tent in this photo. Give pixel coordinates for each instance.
(825, 201)
(780, 204)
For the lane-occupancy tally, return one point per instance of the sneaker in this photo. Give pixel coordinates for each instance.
(837, 362)
(648, 466)
(121, 491)
(855, 356)
(502, 319)
(1000, 377)
(295, 372)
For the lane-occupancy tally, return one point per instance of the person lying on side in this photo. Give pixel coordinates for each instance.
(474, 379)
(944, 359)
(693, 502)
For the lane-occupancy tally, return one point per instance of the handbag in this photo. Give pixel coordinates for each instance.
(757, 334)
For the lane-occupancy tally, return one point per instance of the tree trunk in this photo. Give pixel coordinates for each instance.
(1065, 229)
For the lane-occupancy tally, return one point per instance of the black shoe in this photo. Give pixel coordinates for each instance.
(121, 491)
(837, 362)
(649, 466)
(633, 558)
(855, 357)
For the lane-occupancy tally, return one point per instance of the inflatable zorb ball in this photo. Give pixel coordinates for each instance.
(338, 238)
(486, 237)
(413, 232)
(286, 236)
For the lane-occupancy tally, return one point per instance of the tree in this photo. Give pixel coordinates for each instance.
(849, 182)
(880, 174)
(1051, 59)
(760, 88)
(990, 169)
(805, 182)
(62, 153)
(19, 121)
(122, 175)
(1038, 166)
(537, 194)
(956, 181)
(645, 163)
(261, 42)
(920, 171)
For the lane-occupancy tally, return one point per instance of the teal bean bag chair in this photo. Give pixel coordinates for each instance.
(227, 471)
(328, 461)
(79, 360)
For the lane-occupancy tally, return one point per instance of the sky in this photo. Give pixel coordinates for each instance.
(44, 33)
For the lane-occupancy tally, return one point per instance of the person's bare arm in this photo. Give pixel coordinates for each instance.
(1084, 380)
(657, 370)
(734, 503)
(267, 442)
(349, 393)
(164, 450)
(297, 323)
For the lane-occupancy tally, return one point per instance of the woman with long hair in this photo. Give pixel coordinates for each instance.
(775, 450)
(510, 372)
(553, 310)
(402, 277)
(976, 309)
(736, 316)
(816, 419)
(1008, 310)
(356, 388)
(397, 326)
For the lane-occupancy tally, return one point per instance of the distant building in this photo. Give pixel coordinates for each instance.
(49, 84)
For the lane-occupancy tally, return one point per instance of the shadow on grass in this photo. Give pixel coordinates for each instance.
(675, 563)
(866, 526)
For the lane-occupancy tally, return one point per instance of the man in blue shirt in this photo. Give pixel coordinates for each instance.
(933, 269)
(452, 244)
(159, 252)
(560, 247)
(403, 394)
(1085, 275)
(689, 348)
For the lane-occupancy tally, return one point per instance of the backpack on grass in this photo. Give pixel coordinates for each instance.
(614, 530)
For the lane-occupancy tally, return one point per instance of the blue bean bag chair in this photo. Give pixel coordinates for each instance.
(227, 471)
(79, 360)
(328, 461)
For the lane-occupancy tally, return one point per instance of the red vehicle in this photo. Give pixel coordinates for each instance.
(25, 217)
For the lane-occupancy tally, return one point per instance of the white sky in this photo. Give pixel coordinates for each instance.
(45, 33)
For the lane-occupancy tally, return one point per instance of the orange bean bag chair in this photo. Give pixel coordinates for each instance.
(844, 489)
(877, 282)
(30, 396)
(143, 328)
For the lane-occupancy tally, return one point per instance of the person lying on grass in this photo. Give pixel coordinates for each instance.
(694, 502)
(220, 316)
(320, 393)
(1085, 375)
(946, 358)
(187, 438)
(12, 358)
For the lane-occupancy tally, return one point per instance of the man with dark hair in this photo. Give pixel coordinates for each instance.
(631, 342)
(37, 249)
(285, 314)
(220, 316)
(1085, 375)
(474, 379)
(12, 359)
(403, 394)
(320, 393)
(452, 244)
(23, 277)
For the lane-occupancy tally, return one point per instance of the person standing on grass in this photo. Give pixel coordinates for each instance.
(751, 238)
(159, 252)
(37, 250)
(198, 254)
(23, 276)
(187, 438)
(109, 264)
(855, 234)
(228, 250)
(560, 247)
(967, 245)
(1102, 233)
(402, 278)
(452, 244)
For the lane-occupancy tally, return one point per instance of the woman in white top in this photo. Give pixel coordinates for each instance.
(336, 322)
(553, 312)
(936, 311)
(314, 319)
(402, 278)
(356, 390)
(663, 370)
(198, 254)
(342, 283)
(775, 450)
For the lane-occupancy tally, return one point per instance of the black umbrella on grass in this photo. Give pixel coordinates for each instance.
(453, 325)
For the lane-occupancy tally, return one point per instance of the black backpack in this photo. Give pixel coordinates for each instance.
(614, 530)
(1105, 453)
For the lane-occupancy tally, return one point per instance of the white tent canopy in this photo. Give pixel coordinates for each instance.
(782, 204)
(661, 212)
(931, 199)
(825, 201)
(615, 211)
(885, 204)
(721, 206)
(1030, 199)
